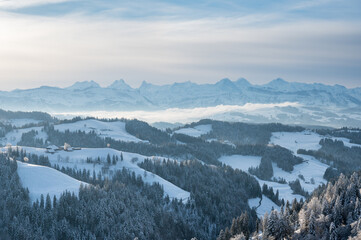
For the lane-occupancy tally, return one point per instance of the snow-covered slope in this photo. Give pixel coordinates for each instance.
(19, 122)
(115, 130)
(241, 162)
(14, 136)
(44, 180)
(77, 160)
(312, 170)
(304, 140)
(196, 131)
(244, 162)
(262, 206)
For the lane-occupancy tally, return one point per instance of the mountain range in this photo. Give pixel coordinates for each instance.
(119, 96)
(276, 101)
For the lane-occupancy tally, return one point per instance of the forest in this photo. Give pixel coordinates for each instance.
(333, 212)
(125, 207)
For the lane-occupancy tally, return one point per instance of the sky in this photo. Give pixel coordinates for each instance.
(59, 42)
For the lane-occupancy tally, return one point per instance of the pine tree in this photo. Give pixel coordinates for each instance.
(273, 225)
(311, 224)
(54, 202)
(48, 202)
(109, 161)
(42, 201)
(332, 231)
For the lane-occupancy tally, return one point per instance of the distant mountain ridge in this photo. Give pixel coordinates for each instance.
(119, 96)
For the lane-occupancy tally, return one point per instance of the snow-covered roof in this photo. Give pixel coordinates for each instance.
(52, 147)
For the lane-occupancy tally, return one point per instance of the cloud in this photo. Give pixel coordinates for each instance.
(300, 5)
(37, 50)
(15, 4)
(174, 115)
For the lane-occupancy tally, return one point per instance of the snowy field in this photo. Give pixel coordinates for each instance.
(284, 190)
(240, 161)
(306, 140)
(14, 136)
(197, 131)
(266, 205)
(310, 169)
(43, 180)
(19, 122)
(115, 130)
(244, 162)
(77, 160)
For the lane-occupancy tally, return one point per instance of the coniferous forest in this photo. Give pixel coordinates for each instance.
(125, 206)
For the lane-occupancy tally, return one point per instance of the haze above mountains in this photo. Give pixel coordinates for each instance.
(316, 103)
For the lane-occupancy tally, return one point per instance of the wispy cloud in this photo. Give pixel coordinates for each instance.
(15, 4)
(169, 42)
(174, 115)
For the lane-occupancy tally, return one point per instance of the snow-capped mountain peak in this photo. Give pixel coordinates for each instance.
(119, 84)
(83, 85)
(119, 95)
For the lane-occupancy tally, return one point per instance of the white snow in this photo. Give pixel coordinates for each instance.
(115, 130)
(284, 190)
(266, 205)
(311, 168)
(244, 162)
(44, 180)
(197, 131)
(306, 140)
(19, 122)
(77, 160)
(296, 140)
(241, 162)
(346, 142)
(14, 136)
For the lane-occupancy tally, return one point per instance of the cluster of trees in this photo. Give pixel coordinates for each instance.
(335, 153)
(243, 133)
(279, 155)
(240, 228)
(269, 192)
(264, 171)
(144, 131)
(121, 208)
(219, 193)
(13, 198)
(42, 116)
(283, 157)
(4, 129)
(333, 212)
(331, 174)
(30, 139)
(20, 154)
(297, 188)
(354, 134)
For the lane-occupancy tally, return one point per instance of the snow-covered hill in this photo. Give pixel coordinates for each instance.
(333, 104)
(197, 131)
(14, 136)
(312, 170)
(115, 130)
(44, 180)
(77, 160)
